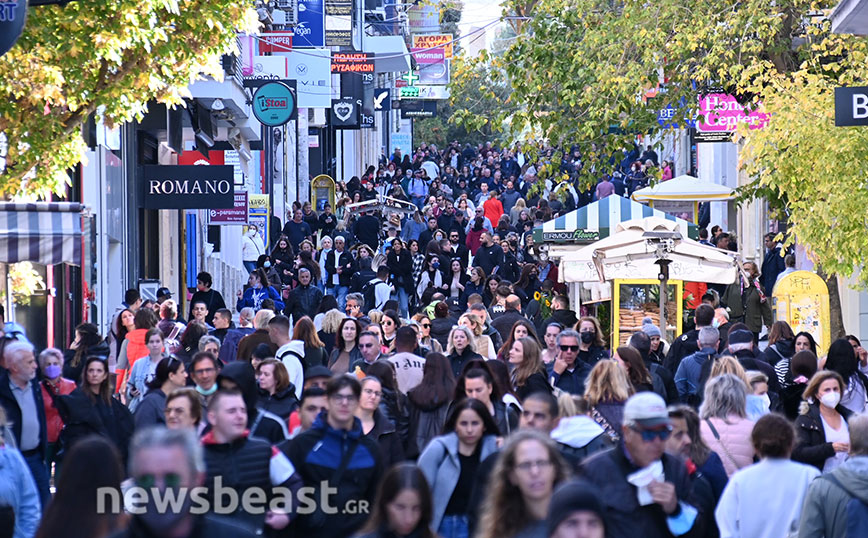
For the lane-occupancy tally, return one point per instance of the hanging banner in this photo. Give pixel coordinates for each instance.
(310, 30)
(338, 23)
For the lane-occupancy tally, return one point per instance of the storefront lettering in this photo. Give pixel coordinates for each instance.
(199, 186)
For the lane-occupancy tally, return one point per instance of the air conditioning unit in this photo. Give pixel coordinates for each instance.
(290, 7)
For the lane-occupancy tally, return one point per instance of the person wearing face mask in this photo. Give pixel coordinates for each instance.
(759, 402)
(591, 344)
(251, 248)
(53, 385)
(823, 437)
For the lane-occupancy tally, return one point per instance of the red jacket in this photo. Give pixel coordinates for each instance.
(53, 422)
(473, 240)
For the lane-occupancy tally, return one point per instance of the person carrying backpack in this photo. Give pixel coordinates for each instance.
(377, 291)
(687, 376)
(836, 505)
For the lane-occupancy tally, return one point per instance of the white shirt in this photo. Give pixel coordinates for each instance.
(764, 500)
(835, 436)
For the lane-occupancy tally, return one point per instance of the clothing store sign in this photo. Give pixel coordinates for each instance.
(851, 106)
(187, 187)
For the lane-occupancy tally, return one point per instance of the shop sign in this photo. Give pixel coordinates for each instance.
(430, 41)
(12, 16)
(272, 42)
(428, 56)
(722, 113)
(851, 106)
(234, 215)
(572, 235)
(352, 62)
(187, 187)
(274, 104)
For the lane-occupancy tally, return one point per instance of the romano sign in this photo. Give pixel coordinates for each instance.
(187, 187)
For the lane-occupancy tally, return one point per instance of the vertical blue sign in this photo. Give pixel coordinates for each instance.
(310, 31)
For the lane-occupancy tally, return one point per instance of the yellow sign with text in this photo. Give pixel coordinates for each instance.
(432, 41)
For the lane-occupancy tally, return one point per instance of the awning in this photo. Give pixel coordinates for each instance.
(598, 220)
(42, 232)
(685, 188)
(391, 53)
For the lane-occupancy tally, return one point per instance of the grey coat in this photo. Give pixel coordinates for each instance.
(825, 510)
(440, 464)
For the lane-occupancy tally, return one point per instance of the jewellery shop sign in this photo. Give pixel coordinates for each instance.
(186, 187)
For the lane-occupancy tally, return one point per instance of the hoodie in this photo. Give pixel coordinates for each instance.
(825, 510)
(262, 424)
(578, 437)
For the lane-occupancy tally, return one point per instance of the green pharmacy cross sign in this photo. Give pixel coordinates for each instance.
(274, 104)
(411, 78)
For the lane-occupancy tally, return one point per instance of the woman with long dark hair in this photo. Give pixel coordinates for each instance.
(90, 409)
(521, 486)
(800, 369)
(456, 279)
(92, 466)
(783, 369)
(528, 283)
(431, 276)
(520, 329)
(393, 402)
(403, 507)
(429, 402)
(346, 350)
(88, 343)
(481, 382)
(170, 375)
(259, 289)
(390, 322)
(475, 282)
(529, 373)
(842, 359)
(450, 463)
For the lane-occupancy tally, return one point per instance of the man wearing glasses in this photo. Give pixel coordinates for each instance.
(339, 462)
(567, 372)
(369, 345)
(645, 491)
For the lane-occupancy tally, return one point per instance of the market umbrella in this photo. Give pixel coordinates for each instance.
(686, 188)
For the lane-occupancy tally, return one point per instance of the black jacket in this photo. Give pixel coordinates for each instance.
(504, 322)
(205, 526)
(811, 446)
(303, 301)
(537, 382)
(458, 361)
(262, 424)
(426, 423)
(625, 518)
(83, 416)
(401, 269)
(567, 318)
(73, 373)
(440, 329)
(346, 261)
(317, 455)
(281, 404)
(572, 382)
(488, 258)
(13, 412)
(684, 345)
(386, 436)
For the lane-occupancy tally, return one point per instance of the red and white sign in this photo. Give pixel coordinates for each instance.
(275, 42)
(235, 215)
(722, 113)
(429, 56)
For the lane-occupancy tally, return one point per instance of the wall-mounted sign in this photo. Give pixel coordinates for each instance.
(424, 92)
(721, 113)
(423, 18)
(265, 68)
(417, 108)
(12, 16)
(257, 213)
(338, 23)
(235, 215)
(851, 106)
(345, 113)
(186, 187)
(430, 41)
(274, 104)
(428, 56)
(312, 73)
(382, 97)
(434, 74)
(310, 30)
(275, 42)
(352, 62)
(366, 112)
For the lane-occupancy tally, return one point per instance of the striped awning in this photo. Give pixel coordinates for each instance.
(596, 220)
(41, 232)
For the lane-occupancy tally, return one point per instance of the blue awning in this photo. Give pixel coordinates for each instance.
(596, 220)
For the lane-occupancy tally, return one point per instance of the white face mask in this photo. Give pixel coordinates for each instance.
(767, 402)
(831, 399)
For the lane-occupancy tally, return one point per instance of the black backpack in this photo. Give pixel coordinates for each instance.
(369, 294)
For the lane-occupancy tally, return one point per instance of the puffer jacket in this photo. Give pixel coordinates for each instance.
(734, 434)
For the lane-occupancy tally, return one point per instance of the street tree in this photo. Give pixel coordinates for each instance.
(108, 58)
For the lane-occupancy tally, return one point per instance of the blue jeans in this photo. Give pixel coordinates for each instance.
(453, 527)
(250, 266)
(40, 475)
(403, 299)
(339, 293)
(418, 201)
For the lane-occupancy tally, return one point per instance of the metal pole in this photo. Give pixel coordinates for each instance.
(663, 308)
(268, 150)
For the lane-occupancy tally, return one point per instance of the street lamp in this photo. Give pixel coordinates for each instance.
(663, 243)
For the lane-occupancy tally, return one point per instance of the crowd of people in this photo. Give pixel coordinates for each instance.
(425, 375)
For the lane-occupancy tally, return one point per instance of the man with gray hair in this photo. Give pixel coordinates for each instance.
(21, 397)
(163, 459)
(689, 370)
(567, 372)
(304, 299)
(836, 496)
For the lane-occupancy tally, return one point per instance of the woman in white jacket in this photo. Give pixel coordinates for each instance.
(776, 484)
(450, 462)
(251, 248)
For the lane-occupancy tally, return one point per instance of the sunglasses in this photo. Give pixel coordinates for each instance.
(426, 325)
(569, 348)
(650, 435)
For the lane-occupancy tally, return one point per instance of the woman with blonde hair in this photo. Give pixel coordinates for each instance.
(520, 488)
(822, 434)
(606, 390)
(516, 210)
(484, 345)
(725, 427)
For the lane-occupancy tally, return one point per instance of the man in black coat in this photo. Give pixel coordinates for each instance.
(685, 344)
(504, 322)
(773, 264)
(489, 256)
(661, 508)
(340, 266)
(367, 230)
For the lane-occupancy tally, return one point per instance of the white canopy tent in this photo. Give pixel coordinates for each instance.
(631, 253)
(687, 188)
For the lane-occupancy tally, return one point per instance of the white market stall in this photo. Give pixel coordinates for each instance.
(641, 258)
(680, 196)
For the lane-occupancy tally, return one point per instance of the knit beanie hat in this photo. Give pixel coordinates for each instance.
(577, 496)
(649, 328)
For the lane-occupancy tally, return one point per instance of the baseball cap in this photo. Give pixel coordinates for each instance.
(163, 292)
(646, 409)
